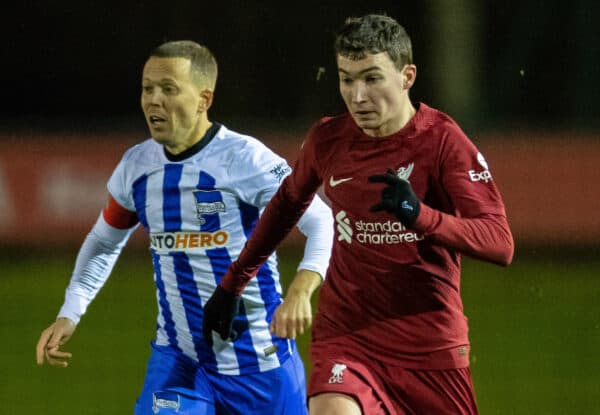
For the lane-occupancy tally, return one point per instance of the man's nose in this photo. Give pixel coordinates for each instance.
(359, 92)
(154, 97)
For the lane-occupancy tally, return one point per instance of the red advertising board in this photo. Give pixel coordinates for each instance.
(52, 188)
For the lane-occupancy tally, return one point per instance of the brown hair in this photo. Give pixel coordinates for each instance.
(374, 33)
(203, 63)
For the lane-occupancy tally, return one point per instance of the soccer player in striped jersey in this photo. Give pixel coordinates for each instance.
(410, 194)
(198, 189)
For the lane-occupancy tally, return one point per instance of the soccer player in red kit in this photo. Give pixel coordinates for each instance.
(410, 194)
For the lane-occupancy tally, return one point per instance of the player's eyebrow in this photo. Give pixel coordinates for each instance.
(369, 69)
(160, 81)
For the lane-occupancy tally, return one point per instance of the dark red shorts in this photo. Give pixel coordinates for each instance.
(383, 389)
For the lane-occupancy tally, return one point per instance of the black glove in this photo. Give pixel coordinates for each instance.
(219, 312)
(397, 198)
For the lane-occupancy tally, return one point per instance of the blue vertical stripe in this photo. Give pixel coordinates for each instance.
(206, 181)
(164, 304)
(172, 197)
(192, 303)
(140, 187)
(139, 199)
(219, 261)
(249, 217)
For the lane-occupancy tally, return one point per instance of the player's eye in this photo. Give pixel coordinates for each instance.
(146, 89)
(346, 80)
(170, 89)
(373, 79)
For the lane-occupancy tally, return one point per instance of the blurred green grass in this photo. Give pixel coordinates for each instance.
(535, 332)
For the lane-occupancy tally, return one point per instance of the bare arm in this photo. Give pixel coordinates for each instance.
(294, 315)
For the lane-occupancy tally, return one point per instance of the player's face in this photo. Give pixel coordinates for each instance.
(376, 92)
(172, 103)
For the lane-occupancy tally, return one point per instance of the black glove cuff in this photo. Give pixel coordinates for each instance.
(407, 211)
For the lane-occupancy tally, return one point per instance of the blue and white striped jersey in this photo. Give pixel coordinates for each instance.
(198, 212)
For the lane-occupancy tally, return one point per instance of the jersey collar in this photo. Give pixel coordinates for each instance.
(195, 149)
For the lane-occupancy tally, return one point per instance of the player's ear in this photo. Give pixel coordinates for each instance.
(206, 100)
(409, 73)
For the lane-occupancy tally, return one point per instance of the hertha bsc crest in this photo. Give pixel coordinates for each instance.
(208, 202)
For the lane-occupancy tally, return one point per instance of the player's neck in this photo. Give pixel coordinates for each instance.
(200, 131)
(196, 134)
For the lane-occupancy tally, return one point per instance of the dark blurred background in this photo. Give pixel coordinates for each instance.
(489, 64)
(521, 77)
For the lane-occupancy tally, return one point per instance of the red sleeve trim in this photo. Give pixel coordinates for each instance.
(117, 216)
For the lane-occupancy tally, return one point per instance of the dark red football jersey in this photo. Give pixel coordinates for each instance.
(390, 291)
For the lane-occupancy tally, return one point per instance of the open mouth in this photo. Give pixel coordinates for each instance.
(156, 120)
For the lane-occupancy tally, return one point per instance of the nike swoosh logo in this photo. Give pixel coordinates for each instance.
(334, 183)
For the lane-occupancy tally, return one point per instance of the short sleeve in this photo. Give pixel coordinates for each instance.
(258, 173)
(117, 186)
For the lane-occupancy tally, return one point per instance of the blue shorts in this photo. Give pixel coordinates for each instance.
(175, 384)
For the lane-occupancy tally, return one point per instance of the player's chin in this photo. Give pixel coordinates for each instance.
(367, 123)
(161, 137)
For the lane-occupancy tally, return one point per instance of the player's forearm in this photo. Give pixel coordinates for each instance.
(95, 260)
(305, 283)
(487, 237)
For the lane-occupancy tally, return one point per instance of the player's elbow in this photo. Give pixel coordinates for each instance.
(505, 244)
(507, 251)
(507, 256)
